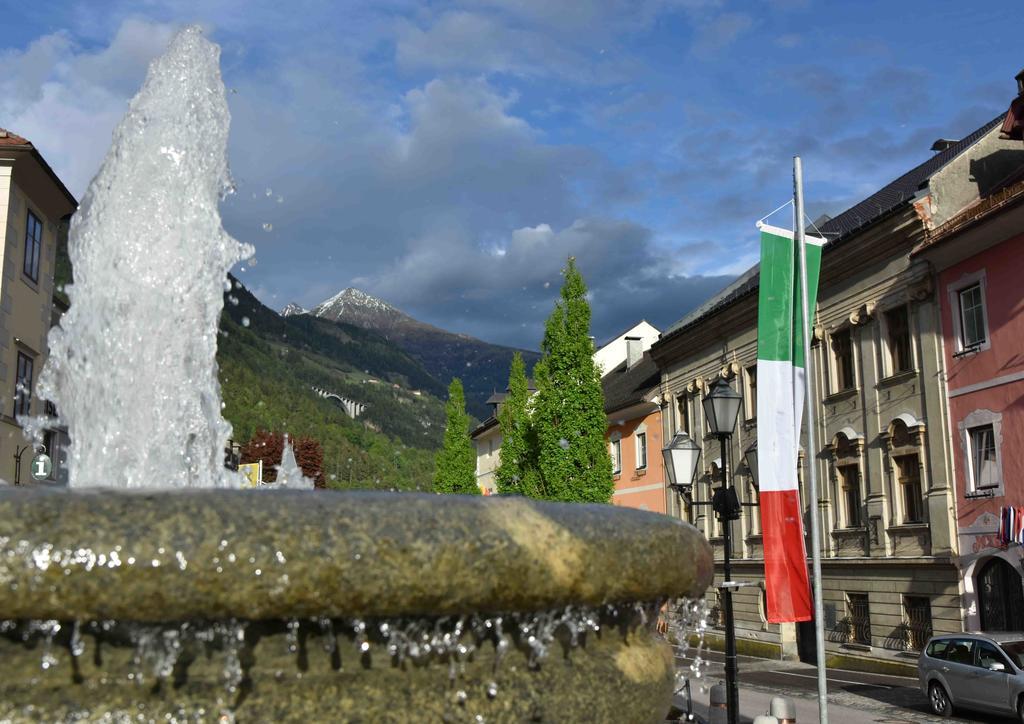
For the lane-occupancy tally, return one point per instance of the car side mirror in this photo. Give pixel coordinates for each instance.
(997, 666)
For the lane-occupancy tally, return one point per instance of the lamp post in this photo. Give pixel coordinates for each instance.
(721, 406)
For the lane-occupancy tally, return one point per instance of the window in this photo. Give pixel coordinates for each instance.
(683, 407)
(983, 469)
(751, 399)
(917, 612)
(972, 317)
(960, 651)
(33, 245)
(616, 453)
(908, 472)
(988, 654)
(641, 450)
(897, 326)
(859, 615)
(23, 385)
(849, 483)
(842, 358)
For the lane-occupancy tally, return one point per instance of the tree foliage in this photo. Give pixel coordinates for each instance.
(517, 472)
(568, 412)
(455, 467)
(269, 447)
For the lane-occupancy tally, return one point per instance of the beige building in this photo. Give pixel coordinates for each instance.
(34, 209)
(889, 573)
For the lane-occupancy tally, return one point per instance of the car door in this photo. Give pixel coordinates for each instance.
(958, 668)
(989, 689)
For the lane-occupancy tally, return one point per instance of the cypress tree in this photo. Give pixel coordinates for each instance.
(517, 464)
(455, 468)
(568, 415)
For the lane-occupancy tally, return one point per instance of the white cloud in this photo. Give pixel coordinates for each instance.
(67, 100)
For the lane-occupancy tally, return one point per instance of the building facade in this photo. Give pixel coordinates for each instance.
(886, 497)
(635, 436)
(978, 255)
(34, 210)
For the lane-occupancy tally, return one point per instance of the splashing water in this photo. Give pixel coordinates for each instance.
(132, 367)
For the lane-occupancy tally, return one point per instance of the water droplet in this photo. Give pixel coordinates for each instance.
(492, 690)
(267, 226)
(245, 321)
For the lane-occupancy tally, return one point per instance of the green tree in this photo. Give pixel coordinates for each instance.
(568, 412)
(517, 463)
(455, 470)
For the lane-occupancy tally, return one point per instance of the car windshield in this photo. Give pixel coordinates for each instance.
(1015, 650)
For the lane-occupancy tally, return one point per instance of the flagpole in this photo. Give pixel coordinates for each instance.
(805, 334)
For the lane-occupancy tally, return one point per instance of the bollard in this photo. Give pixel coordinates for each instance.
(783, 709)
(765, 719)
(717, 709)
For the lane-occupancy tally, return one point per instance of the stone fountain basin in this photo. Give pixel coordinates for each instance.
(252, 561)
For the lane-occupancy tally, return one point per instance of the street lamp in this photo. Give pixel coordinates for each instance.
(721, 407)
(750, 458)
(681, 454)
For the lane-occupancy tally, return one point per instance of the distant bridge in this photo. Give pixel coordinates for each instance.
(352, 408)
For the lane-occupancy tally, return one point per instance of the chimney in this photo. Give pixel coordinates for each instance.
(1020, 83)
(634, 351)
(943, 143)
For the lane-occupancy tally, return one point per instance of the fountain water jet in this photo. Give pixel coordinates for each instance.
(162, 604)
(132, 366)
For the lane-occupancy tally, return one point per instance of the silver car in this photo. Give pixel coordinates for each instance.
(981, 671)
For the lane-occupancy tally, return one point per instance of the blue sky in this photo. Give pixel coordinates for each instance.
(448, 157)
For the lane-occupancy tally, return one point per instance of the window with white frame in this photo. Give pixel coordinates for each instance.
(969, 315)
(641, 450)
(981, 440)
(615, 450)
(972, 317)
(983, 469)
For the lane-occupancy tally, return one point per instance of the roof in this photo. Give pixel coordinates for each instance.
(623, 387)
(483, 426)
(883, 202)
(9, 139)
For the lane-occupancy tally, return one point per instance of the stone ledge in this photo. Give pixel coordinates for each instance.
(271, 554)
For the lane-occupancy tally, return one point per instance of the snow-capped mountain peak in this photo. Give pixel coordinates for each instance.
(351, 300)
(291, 309)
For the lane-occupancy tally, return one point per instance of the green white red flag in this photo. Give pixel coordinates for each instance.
(780, 404)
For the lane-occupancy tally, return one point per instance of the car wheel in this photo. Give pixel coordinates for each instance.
(1020, 709)
(938, 699)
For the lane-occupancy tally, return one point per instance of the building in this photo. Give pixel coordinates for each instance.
(889, 547)
(35, 207)
(633, 405)
(977, 255)
(487, 439)
(613, 352)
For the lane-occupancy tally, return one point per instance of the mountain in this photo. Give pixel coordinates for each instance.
(482, 367)
(291, 309)
(291, 355)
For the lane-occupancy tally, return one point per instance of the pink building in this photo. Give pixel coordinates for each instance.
(634, 432)
(978, 256)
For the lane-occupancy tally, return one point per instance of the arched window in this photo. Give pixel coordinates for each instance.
(846, 450)
(904, 443)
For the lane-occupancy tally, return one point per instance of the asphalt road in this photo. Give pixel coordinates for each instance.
(854, 697)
